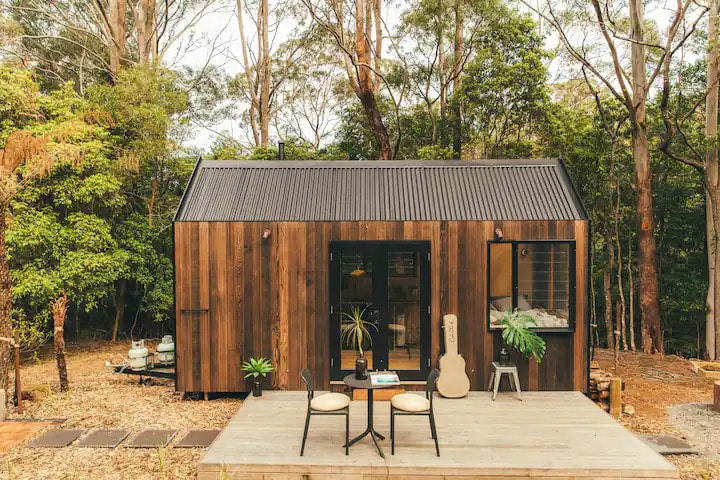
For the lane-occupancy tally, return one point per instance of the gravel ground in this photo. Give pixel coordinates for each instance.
(700, 425)
(100, 399)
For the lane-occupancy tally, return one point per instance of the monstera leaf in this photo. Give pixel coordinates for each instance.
(517, 333)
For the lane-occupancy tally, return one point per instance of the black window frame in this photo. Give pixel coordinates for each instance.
(572, 312)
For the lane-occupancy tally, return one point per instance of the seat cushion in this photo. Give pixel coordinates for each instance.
(329, 402)
(409, 402)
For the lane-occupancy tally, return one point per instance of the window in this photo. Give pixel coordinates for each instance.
(536, 277)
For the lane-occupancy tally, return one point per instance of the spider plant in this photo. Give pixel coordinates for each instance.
(355, 330)
(516, 333)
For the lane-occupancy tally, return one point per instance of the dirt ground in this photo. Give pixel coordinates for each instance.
(653, 383)
(100, 399)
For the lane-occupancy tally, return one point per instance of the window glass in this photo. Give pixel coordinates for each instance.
(542, 282)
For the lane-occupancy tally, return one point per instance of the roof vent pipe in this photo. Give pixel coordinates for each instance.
(281, 151)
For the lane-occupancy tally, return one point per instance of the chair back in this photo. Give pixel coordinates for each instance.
(430, 386)
(308, 380)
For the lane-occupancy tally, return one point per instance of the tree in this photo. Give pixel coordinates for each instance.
(503, 88)
(40, 137)
(83, 41)
(616, 35)
(360, 50)
(684, 141)
(266, 66)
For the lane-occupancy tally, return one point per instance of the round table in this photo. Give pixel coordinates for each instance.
(353, 382)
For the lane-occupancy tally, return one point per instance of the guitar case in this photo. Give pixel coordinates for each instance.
(453, 381)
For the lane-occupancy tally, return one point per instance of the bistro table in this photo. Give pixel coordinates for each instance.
(353, 382)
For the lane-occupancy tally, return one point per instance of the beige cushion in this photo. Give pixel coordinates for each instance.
(329, 402)
(410, 402)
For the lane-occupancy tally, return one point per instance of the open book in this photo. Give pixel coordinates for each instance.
(384, 378)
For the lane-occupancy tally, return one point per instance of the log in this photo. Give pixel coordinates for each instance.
(716, 396)
(605, 394)
(616, 397)
(603, 386)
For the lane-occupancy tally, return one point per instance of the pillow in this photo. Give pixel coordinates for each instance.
(492, 307)
(522, 303)
(502, 303)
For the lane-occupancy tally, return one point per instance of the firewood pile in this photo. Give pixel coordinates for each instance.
(600, 388)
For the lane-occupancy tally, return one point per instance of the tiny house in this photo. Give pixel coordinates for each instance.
(269, 255)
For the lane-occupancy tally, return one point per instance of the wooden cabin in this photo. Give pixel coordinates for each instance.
(270, 254)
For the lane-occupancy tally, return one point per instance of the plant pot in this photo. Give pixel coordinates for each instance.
(361, 368)
(257, 389)
(504, 357)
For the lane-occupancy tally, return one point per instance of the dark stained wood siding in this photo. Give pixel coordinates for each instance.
(239, 295)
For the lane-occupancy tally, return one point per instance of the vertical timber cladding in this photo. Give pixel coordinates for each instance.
(244, 295)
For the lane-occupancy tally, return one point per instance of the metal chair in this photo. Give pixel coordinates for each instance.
(325, 404)
(411, 404)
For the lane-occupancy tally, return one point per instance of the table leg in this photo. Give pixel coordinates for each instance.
(370, 430)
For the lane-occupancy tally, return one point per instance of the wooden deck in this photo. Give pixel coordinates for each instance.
(549, 435)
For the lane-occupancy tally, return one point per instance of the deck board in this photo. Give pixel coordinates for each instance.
(549, 435)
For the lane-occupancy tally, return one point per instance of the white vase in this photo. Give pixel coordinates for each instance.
(138, 354)
(166, 350)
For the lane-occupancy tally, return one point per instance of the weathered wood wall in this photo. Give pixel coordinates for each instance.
(239, 295)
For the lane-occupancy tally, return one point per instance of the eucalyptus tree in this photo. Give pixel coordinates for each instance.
(83, 40)
(620, 49)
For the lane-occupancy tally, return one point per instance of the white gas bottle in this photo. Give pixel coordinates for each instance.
(138, 354)
(166, 350)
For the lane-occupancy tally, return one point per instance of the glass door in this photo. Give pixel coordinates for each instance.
(388, 283)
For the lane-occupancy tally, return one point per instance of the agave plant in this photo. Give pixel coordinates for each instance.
(517, 334)
(355, 329)
(257, 366)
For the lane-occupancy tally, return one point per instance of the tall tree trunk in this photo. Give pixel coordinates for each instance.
(266, 72)
(145, 24)
(620, 324)
(118, 46)
(119, 300)
(712, 333)
(711, 239)
(59, 312)
(5, 304)
(457, 80)
(631, 305)
(443, 84)
(377, 13)
(649, 291)
(251, 88)
(607, 289)
(365, 91)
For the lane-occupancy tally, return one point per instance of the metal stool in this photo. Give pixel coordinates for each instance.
(496, 372)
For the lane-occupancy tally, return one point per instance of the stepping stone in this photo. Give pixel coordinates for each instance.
(151, 439)
(103, 439)
(667, 444)
(56, 439)
(197, 439)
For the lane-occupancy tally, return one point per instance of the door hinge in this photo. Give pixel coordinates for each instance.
(428, 256)
(332, 362)
(332, 309)
(428, 362)
(428, 309)
(331, 256)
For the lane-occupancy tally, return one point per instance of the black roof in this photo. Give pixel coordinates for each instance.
(221, 190)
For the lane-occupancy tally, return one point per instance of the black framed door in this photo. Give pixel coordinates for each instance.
(390, 282)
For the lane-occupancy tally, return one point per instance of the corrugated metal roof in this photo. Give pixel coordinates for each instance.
(380, 190)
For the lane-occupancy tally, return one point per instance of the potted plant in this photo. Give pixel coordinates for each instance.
(256, 367)
(517, 334)
(355, 331)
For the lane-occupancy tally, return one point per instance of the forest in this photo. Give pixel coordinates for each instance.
(106, 105)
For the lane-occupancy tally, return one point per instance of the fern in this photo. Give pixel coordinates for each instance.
(517, 334)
